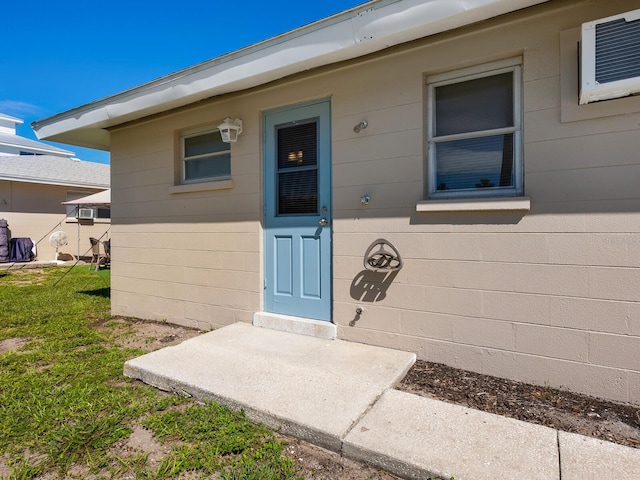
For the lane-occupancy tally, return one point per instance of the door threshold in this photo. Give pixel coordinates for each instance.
(297, 325)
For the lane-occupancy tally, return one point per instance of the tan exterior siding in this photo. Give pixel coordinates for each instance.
(34, 209)
(545, 296)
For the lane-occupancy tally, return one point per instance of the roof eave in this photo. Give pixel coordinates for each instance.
(366, 29)
(63, 183)
(9, 118)
(58, 152)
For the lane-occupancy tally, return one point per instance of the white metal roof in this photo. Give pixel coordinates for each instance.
(359, 31)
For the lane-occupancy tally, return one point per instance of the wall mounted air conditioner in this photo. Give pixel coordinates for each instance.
(85, 213)
(610, 57)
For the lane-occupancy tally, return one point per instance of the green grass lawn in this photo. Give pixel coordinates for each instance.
(65, 405)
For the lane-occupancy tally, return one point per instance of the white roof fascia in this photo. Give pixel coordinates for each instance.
(28, 148)
(15, 120)
(366, 29)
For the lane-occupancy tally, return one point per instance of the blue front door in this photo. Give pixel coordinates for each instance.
(297, 210)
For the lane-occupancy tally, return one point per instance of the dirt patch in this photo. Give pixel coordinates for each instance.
(12, 344)
(312, 462)
(4, 468)
(320, 464)
(141, 440)
(146, 335)
(28, 458)
(26, 276)
(553, 408)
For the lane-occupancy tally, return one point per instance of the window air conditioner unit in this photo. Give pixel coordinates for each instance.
(85, 213)
(610, 57)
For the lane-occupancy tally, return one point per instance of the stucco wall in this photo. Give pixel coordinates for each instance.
(33, 210)
(545, 296)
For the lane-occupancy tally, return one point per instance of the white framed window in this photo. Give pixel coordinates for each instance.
(474, 132)
(204, 157)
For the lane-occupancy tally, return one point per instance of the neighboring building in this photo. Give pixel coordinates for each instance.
(35, 178)
(13, 144)
(453, 131)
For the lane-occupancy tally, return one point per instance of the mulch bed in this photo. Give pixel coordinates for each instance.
(570, 412)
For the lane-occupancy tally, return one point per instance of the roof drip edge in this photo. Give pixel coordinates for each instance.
(362, 30)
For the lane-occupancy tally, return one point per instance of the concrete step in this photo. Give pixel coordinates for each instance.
(311, 388)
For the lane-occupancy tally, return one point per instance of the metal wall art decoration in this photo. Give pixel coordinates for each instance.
(382, 256)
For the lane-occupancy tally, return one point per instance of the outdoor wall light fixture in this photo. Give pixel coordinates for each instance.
(230, 129)
(361, 126)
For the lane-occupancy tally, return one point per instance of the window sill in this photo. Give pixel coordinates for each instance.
(475, 204)
(202, 187)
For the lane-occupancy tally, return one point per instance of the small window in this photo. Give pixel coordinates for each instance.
(474, 132)
(102, 212)
(205, 157)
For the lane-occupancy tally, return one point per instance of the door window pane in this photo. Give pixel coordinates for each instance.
(298, 145)
(297, 177)
(298, 192)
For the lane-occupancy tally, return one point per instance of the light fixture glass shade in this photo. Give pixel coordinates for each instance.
(230, 129)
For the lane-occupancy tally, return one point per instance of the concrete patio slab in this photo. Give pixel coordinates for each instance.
(586, 457)
(31, 265)
(339, 395)
(417, 437)
(307, 387)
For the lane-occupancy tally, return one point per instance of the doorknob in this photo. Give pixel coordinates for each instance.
(323, 222)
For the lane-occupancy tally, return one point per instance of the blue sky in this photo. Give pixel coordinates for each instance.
(57, 55)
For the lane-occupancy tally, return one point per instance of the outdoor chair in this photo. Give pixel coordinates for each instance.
(98, 257)
(107, 251)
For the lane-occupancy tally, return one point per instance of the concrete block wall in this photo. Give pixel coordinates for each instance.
(548, 296)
